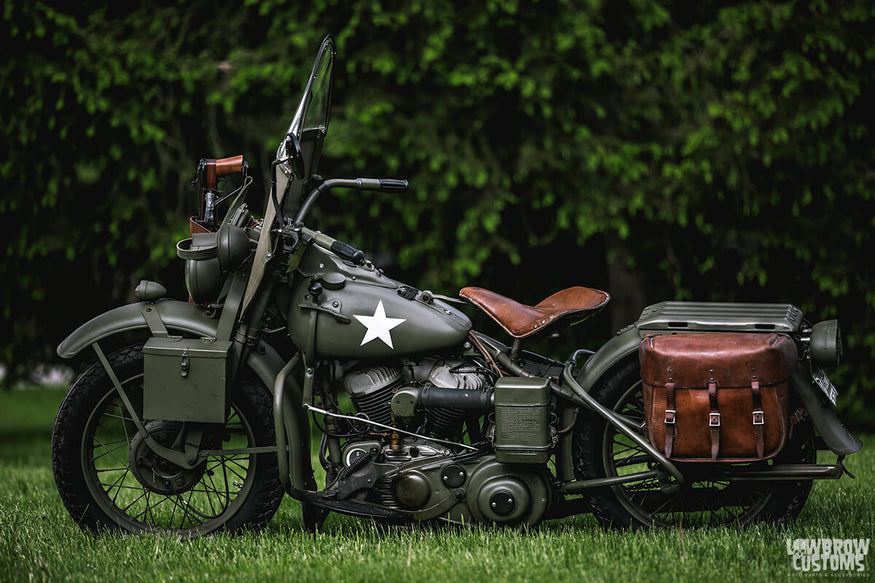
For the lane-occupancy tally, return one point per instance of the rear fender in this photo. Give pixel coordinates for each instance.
(621, 346)
(834, 434)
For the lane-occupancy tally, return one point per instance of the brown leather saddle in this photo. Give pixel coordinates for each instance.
(520, 321)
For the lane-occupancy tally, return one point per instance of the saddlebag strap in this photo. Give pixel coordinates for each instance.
(670, 417)
(714, 419)
(758, 416)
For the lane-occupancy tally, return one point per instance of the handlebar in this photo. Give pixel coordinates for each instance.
(341, 249)
(389, 185)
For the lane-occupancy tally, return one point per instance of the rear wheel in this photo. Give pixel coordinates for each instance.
(601, 451)
(109, 477)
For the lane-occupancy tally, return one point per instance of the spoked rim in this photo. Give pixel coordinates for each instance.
(701, 502)
(143, 492)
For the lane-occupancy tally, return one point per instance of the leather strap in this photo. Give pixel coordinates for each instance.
(670, 418)
(758, 416)
(714, 419)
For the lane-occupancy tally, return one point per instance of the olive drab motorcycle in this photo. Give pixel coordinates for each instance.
(196, 415)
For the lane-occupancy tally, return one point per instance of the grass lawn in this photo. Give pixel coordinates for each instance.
(39, 541)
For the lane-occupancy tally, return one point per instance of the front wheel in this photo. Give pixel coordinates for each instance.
(601, 451)
(109, 478)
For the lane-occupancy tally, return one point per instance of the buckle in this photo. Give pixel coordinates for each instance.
(670, 415)
(714, 419)
(759, 418)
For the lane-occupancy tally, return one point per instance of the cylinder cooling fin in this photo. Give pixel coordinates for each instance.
(371, 391)
(433, 396)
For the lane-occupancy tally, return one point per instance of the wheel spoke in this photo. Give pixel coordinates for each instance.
(669, 501)
(226, 481)
(109, 450)
(210, 497)
(226, 467)
(148, 509)
(217, 491)
(145, 493)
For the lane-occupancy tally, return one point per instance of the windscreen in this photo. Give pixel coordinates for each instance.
(312, 114)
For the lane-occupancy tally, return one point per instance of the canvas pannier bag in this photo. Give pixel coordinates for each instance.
(717, 397)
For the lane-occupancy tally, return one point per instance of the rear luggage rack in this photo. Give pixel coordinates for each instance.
(720, 316)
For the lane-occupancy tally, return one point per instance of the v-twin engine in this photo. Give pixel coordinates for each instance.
(430, 397)
(425, 467)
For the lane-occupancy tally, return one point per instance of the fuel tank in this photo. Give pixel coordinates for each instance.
(342, 310)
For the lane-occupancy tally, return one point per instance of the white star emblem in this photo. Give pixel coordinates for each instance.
(378, 326)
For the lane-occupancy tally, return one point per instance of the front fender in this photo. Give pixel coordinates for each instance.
(176, 315)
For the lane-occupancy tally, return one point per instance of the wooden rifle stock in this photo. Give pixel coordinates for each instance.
(213, 169)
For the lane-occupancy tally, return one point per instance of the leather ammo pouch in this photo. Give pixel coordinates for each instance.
(717, 396)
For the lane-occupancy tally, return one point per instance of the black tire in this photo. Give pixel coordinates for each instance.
(109, 479)
(600, 451)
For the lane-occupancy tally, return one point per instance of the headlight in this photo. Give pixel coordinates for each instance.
(826, 343)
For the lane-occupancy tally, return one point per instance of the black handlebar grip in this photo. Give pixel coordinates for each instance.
(348, 252)
(393, 185)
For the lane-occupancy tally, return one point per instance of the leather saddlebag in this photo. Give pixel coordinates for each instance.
(717, 397)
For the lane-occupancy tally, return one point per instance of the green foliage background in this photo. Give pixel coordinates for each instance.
(707, 151)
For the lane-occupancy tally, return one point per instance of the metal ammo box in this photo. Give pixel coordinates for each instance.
(185, 379)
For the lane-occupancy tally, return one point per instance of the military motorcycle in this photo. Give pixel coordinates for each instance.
(198, 416)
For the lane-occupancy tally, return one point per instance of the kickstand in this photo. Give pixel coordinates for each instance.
(314, 516)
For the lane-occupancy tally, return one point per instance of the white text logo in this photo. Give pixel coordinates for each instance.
(820, 555)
